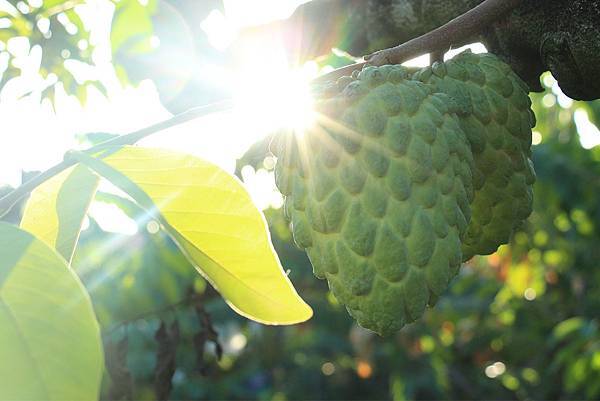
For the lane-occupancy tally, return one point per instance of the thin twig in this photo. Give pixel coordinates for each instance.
(8, 201)
(439, 40)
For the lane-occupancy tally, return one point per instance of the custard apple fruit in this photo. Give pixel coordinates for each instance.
(379, 194)
(495, 114)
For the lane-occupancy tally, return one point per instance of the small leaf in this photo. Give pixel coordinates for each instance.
(56, 209)
(50, 347)
(212, 218)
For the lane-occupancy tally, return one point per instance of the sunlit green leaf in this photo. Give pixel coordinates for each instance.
(21, 26)
(52, 3)
(214, 221)
(50, 347)
(132, 26)
(567, 327)
(55, 211)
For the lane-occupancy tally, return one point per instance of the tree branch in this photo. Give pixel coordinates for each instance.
(439, 40)
(460, 28)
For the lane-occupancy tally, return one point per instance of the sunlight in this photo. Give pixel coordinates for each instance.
(474, 47)
(589, 134)
(112, 219)
(273, 98)
(220, 31)
(261, 187)
(269, 95)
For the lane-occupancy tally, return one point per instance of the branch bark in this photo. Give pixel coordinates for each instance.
(463, 27)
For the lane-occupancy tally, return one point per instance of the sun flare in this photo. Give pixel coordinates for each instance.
(277, 99)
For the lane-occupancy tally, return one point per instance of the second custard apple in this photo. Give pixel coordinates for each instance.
(378, 194)
(495, 113)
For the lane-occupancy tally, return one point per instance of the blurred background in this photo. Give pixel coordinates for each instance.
(519, 324)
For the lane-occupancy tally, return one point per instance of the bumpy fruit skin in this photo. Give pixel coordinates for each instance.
(379, 193)
(494, 111)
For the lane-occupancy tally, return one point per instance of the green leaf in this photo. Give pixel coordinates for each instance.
(212, 218)
(52, 3)
(50, 346)
(567, 327)
(132, 26)
(56, 209)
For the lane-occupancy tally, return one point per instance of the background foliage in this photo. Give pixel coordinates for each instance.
(519, 324)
